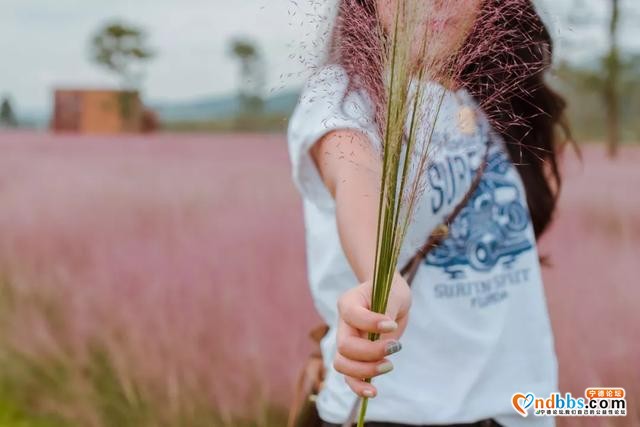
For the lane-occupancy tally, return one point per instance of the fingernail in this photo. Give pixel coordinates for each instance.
(393, 347)
(384, 367)
(367, 393)
(387, 326)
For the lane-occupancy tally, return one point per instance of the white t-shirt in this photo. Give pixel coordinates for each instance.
(478, 328)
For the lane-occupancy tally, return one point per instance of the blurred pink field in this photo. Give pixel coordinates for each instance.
(185, 254)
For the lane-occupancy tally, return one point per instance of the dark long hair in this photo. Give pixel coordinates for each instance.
(503, 65)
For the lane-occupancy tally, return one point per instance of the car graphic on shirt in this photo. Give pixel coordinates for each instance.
(490, 229)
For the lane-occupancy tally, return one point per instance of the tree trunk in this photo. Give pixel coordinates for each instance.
(611, 92)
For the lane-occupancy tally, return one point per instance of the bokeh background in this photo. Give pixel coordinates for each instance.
(152, 265)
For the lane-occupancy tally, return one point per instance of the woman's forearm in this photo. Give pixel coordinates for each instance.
(351, 169)
(357, 218)
(357, 202)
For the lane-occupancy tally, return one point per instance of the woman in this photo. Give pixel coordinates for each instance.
(479, 329)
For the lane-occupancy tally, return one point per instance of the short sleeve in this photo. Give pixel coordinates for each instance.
(322, 108)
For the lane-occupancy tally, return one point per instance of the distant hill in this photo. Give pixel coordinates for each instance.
(202, 110)
(220, 107)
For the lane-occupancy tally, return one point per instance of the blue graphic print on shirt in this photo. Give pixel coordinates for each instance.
(491, 228)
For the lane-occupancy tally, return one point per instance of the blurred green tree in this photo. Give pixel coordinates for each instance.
(7, 115)
(584, 87)
(121, 49)
(252, 74)
(616, 70)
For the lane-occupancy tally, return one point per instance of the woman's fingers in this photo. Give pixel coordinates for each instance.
(362, 349)
(355, 312)
(357, 369)
(358, 358)
(360, 387)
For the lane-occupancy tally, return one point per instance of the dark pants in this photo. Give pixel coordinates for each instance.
(484, 423)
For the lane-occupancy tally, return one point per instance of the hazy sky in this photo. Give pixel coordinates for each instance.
(43, 43)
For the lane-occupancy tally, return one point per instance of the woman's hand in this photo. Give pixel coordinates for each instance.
(351, 169)
(358, 357)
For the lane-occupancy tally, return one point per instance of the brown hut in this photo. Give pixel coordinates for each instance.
(100, 111)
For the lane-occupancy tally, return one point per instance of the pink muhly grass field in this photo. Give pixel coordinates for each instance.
(183, 255)
(182, 258)
(592, 285)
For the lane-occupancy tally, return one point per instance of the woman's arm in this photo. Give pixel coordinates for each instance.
(351, 169)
